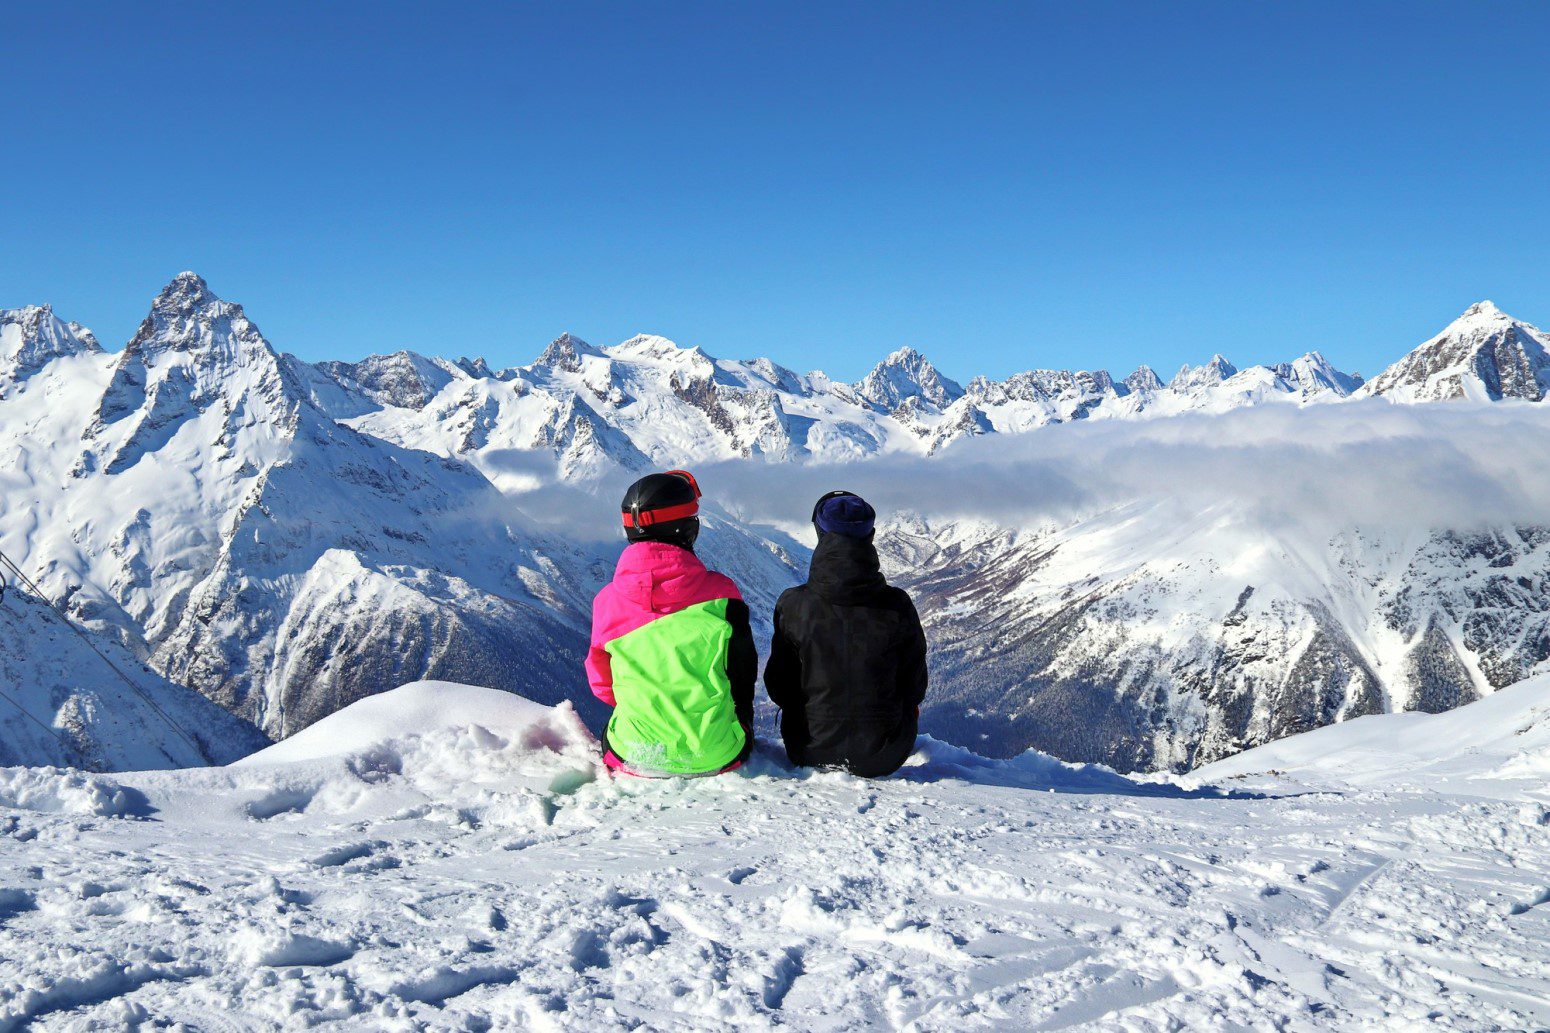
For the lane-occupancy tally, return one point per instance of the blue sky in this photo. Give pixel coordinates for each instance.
(1003, 186)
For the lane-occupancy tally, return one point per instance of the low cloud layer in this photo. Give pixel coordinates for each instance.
(1322, 467)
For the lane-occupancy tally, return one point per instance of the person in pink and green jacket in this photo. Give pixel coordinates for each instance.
(672, 651)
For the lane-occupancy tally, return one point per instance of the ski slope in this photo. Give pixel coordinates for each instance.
(1497, 747)
(446, 857)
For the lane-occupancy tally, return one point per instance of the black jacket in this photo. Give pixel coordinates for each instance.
(742, 665)
(848, 663)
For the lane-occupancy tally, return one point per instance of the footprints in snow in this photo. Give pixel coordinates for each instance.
(783, 974)
(11, 825)
(1523, 907)
(288, 800)
(357, 858)
(13, 902)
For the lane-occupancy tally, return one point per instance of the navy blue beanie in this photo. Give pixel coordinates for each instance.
(845, 514)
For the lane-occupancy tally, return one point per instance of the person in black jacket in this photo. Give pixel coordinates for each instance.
(847, 665)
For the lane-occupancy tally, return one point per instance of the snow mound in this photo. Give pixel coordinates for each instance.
(255, 946)
(425, 707)
(61, 791)
(1498, 746)
(427, 750)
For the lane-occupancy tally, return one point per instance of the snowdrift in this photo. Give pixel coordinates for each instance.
(1498, 746)
(428, 707)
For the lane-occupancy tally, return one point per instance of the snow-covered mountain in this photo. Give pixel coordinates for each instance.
(288, 537)
(906, 376)
(648, 401)
(1484, 355)
(1143, 641)
(632, 405)
(64, 704)
(189, 497)
(442, 857)
(32, 337)
(1496, 748)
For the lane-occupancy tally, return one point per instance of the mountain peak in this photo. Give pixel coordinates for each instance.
(565, 352)
(906, 374)
(1190, 378)
(1314, 361)
(193, 354)
(404, 378)
(1483, 355)
(1484, 309)
(1145, 378)
(184, 292)
(655, 346)
(33, 336)
(475, 367)
(1314, 374)
(84, 335)
(188, 317)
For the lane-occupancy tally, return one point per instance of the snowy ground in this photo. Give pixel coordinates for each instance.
(491, 877)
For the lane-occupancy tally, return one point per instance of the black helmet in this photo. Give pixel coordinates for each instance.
(663, 507)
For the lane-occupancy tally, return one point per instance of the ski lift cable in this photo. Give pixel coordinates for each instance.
(70, 751)
(4, 584)
(35, 590)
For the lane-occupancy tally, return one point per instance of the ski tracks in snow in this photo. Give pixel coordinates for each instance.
(471, 886)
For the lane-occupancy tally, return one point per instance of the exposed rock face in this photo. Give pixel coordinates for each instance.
(403, 379)
(1484, 355)
(1487, 590)
(1193, 380)
(1144, 379)
(32, 337)
(906, 375)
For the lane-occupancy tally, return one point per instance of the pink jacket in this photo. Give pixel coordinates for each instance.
(652, 580)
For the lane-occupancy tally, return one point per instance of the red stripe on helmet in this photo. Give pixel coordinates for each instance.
(660, 516)
(686, 475)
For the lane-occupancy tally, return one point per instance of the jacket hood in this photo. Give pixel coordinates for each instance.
(658, 576)
(845, 569)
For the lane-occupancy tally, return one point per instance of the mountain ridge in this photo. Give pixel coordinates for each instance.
(288, 537)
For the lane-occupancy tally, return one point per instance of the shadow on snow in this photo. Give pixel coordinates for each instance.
(935, 761)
